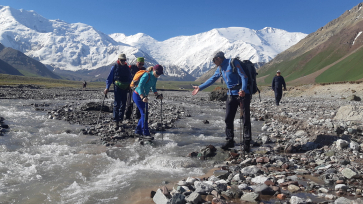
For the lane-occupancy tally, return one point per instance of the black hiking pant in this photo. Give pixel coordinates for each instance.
(278, 96)
(232, 104)
(130, 106)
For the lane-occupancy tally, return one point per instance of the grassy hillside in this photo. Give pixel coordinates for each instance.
(349, 69)
(331, 54)
(6, 79)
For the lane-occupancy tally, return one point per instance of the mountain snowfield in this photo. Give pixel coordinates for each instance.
(59, 44)
(193, 53)
(79, 46)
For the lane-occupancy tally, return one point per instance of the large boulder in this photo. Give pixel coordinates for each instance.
(350, 113)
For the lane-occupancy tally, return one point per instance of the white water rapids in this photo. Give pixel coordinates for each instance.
(49, 161)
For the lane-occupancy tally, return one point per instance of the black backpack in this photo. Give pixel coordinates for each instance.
(251, 73)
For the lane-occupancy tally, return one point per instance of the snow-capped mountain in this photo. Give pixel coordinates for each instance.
(59, 44)
(78, 46)
(193, 53)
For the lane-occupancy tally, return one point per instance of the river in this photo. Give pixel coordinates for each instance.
(49, 161)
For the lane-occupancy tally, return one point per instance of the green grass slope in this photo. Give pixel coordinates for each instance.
(349, 69)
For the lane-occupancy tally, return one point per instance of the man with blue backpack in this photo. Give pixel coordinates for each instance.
(239, 94)
(120, 76)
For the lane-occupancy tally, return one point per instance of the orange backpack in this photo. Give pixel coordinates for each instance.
(137, 77)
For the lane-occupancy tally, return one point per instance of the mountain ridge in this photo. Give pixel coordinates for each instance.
(77, 46)
(338, 39)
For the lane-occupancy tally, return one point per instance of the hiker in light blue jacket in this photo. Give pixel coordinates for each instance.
(148, 80)
(238, 95)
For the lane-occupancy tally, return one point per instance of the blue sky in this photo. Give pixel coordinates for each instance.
(164, 19)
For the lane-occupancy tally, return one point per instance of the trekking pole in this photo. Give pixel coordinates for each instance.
(103, 101)
(145, 115)
(242, 127)
(161, 114)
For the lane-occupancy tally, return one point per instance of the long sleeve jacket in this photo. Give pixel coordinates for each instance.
(231, 79)
(146, 83)
(278, 82)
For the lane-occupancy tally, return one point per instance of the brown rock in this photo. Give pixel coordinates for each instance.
(269, 183)
(218, 201)
(165, 191)
(281, 196)
(262, 160)
(215, 194)
(207, 197)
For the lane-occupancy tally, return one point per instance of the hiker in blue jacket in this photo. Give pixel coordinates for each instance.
(277, 83)
(120, 76)
(238, 95)
(148, 80)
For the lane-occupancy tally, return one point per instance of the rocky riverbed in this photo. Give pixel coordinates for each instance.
(309, 152)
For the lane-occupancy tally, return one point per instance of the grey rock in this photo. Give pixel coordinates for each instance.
(201, 187)
(342, 200)
(341, 187)
(297, 200)
(250, 197)
(349, 173)
(177, 199)
(251, 170)
(194, 198)
(341, 144)
(259, 179)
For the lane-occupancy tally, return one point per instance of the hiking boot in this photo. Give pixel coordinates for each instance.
(247, 146)
(228, 145)
(117, 124)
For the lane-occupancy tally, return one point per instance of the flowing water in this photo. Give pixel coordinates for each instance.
(48, 161)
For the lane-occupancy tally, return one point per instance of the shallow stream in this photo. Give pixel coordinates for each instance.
(49, 161)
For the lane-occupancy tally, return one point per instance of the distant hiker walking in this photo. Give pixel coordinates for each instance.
(238, 95)
(120, 76)
(148, 80)
(277, 83)
(84, 84)
(130, 105)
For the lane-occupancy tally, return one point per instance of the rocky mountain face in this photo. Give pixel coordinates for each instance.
(6, 68)
(17, 63)
(332, 53)
(74, 47)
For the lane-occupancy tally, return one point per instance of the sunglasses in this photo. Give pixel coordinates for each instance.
(141, 63)
(122, 60)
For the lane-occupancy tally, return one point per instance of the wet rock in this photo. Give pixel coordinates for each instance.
(177, 199)
(160, 198)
